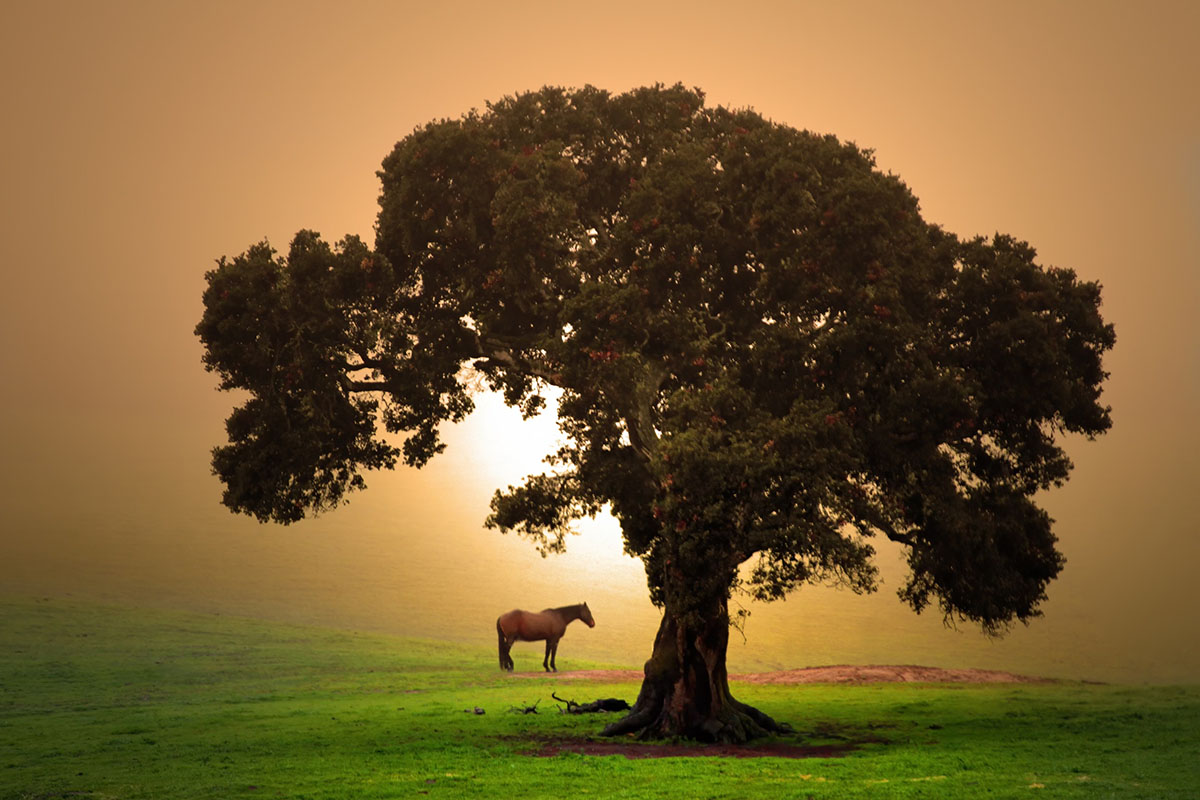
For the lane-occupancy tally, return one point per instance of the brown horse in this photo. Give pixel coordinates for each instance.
(530, 626)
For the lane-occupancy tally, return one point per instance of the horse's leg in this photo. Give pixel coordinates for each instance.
(552, 651)
(508, 643)
(505, 647)
(546, 660)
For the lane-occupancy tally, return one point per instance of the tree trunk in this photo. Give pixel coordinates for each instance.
(685, 691)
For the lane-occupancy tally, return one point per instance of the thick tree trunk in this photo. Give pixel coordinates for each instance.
(685, 691)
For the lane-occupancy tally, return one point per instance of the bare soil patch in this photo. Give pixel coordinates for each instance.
(881, 673)
(849, 674)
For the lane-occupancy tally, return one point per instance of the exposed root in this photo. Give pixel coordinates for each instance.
(637, 720)
(736, 723)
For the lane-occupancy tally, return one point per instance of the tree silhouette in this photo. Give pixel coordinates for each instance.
(765, 359)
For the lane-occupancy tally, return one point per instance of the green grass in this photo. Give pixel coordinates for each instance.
(99, 702)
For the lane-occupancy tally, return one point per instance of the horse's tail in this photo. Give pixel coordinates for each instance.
(500, 634)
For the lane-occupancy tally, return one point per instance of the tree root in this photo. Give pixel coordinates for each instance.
(638, 719)
(737, 723)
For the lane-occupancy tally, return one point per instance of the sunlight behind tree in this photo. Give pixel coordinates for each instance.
(495, 448)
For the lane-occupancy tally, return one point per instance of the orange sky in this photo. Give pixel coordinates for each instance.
(143, 140)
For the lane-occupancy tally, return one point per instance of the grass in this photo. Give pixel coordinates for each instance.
(100, 702)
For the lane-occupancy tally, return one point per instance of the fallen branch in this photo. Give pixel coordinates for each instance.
(597, 706)
(525, 709)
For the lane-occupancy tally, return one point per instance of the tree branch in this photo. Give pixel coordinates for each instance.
(367, 386)
(895, 535)
(639, 419)
(501, 353)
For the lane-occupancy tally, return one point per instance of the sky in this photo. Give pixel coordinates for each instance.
(142, 141)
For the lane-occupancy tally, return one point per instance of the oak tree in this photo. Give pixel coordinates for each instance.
(764, 360)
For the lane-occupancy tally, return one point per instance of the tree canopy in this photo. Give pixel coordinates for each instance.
(765, 357)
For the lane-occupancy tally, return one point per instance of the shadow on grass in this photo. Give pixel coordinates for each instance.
(848, 741)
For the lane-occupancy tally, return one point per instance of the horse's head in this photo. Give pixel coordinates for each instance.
(585, 614)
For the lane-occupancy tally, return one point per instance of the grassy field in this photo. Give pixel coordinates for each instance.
(99, 702)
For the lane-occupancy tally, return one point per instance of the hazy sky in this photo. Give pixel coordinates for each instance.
(143, 140)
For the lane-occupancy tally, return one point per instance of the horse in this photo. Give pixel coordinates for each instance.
(530, 626)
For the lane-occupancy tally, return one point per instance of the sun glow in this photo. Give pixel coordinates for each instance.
(495, 448)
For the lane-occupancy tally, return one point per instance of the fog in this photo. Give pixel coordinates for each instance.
(143, 141)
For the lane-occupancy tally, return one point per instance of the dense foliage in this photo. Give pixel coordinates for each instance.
(763, 353)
